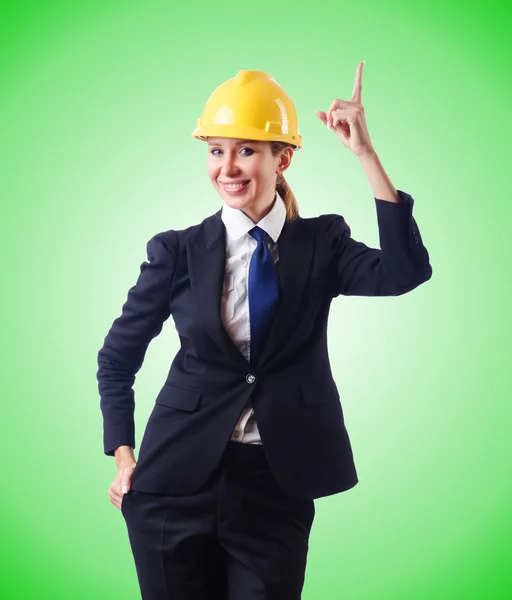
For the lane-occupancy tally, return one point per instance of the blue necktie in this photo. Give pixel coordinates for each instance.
(263, 292)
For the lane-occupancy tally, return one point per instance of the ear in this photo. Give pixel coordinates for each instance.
(285, 158)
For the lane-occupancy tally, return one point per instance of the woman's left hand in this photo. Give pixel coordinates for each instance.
(348, 121)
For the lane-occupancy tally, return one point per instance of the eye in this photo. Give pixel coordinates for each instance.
(251, 151)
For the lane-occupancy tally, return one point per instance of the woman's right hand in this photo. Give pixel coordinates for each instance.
(126, 464)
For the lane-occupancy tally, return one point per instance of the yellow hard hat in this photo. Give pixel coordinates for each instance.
(250, 106)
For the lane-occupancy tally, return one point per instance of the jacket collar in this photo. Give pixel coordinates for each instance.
(206, 255)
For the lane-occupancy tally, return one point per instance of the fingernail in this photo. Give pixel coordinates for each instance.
(125, 489)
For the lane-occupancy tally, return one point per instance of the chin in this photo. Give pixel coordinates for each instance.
(236, 202)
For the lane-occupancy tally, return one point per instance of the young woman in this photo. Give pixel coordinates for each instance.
(247, 429)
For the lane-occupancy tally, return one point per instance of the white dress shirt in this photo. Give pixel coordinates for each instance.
(240, 246)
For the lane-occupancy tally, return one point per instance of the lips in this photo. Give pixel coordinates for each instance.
(236, 190)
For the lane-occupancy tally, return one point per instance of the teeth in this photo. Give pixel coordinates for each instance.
(232, 186)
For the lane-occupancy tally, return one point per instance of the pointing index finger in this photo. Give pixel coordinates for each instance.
(358, 84)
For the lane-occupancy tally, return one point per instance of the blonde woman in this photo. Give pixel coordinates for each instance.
(248, 428)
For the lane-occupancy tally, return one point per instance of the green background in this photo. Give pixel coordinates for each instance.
(98, 101)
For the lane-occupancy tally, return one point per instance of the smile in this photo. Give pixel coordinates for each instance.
(235, 188)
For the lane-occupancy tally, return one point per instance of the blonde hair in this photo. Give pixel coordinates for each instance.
(292, 207)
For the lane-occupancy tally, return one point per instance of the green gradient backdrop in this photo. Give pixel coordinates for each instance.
(96, 111)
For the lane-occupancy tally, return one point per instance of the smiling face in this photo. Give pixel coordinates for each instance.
(251, 163)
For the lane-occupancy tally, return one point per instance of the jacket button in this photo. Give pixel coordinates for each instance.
(250, 378)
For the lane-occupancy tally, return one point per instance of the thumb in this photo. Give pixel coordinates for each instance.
(322, 116)
(124, 485)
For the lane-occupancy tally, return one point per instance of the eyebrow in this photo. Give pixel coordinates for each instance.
(237, 143)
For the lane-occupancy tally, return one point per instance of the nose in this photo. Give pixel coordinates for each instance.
(230, 167)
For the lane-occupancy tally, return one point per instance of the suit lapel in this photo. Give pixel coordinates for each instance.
(295, 249)
(206, 255)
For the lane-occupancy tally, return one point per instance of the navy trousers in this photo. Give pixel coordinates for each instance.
(241, 537)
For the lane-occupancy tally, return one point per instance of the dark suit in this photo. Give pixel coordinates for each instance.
(295, 399)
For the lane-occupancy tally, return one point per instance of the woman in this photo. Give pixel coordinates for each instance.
(248, 428)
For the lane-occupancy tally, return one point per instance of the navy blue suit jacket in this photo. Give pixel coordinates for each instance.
(295, 398)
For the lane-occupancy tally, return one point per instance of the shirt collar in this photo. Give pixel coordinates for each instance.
(238, 223)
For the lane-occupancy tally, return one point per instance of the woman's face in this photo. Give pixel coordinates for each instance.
(250, 162)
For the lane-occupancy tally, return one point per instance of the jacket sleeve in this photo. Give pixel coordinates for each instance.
(400, 265)
(122, 354)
